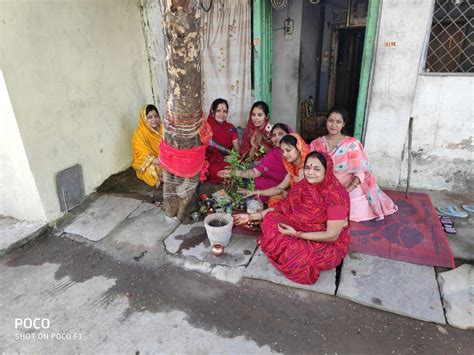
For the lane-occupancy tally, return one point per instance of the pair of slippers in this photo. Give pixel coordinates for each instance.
(448, 224)
(455, 211)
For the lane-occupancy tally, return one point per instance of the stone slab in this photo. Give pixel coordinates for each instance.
(462, 243)
(139, 237)
(190, 241)
(15, 233)
(102, 216)
(260, 268)
(394, 286)
(228, 274)
(457, 292)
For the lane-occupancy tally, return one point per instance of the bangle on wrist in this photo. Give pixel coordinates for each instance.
(298, 234)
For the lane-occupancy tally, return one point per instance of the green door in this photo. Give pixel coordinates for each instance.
(262, 51)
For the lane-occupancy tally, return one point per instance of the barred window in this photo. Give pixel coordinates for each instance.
(451, 49)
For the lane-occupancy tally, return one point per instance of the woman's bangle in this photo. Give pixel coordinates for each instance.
(297, 235)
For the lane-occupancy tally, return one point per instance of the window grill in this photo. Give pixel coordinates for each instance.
(451, 48)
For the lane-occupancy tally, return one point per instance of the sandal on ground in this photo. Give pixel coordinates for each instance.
(452, 211)
(469, 208)
(446, 221)
(449, 230)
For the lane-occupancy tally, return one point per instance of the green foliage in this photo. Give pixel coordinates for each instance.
(235, 182)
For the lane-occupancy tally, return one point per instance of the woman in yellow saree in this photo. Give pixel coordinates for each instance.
(146, 146)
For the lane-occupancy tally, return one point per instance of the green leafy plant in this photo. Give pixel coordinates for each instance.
(234, 182)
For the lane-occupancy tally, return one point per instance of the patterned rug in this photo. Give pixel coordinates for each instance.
(413, 234)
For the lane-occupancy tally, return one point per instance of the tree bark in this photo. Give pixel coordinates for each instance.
(182, 37)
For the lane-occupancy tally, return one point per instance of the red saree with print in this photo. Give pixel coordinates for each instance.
(307, 208)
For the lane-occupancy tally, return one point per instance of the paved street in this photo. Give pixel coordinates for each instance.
(127, 307)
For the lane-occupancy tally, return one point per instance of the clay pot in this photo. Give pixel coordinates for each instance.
(218, 249)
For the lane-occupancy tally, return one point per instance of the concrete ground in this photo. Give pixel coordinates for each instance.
(118, 294)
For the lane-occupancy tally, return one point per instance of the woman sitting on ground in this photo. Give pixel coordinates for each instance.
(308, 231)
(353, 171)
(224, 139)
(146, 146)
(257, 132)
(294, 151)
(270, 171)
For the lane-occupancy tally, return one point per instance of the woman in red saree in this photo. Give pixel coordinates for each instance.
(308, 231)
(224, 139)
(257, 133)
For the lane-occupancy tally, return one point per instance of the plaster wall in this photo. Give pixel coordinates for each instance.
(77, 74)
(286, 58)
(393, 86)
(443, 129)
(310, 59)
(18, 193)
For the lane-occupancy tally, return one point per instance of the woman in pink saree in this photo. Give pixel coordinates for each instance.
(270, 171)
(353, 171)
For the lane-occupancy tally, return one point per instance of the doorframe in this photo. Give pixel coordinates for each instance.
(366, 68)
(262, 37)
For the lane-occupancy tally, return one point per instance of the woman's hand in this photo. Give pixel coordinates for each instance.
(224, 173)
(241, 218)
(253, 141)
(285, 229)
(246, 193)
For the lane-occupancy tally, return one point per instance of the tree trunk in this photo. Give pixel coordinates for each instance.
(183, 62)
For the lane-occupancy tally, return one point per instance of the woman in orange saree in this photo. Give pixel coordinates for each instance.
(294, 151)
(146, 146)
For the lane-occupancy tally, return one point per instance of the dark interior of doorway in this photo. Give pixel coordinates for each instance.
(349, 60)
(336, 30)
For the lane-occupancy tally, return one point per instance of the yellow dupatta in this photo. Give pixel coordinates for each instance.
(145, 148)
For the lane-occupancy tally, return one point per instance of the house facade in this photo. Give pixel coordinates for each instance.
(74, 75)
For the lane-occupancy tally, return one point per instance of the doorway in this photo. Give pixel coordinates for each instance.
(348, 46)
(340, 28)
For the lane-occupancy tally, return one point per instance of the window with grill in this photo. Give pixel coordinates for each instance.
(451, 48)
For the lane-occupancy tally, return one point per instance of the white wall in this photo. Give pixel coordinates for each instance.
(286, 58)
(393, 84)
(443, 129)
(441, 105)
(18, 193)
(77, 74)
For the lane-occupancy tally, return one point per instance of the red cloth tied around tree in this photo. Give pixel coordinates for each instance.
(185, 163)
(307, 208)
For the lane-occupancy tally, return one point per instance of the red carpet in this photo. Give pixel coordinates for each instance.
(413, 234)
